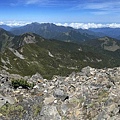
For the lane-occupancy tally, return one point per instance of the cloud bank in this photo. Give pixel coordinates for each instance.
(89, 25)
(74, 25)
(14, 23)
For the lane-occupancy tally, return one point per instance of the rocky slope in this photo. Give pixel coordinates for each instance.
(91, 94)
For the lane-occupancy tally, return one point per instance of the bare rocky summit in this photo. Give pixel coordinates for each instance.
(91, 94)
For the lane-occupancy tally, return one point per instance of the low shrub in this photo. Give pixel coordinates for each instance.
(23, 83)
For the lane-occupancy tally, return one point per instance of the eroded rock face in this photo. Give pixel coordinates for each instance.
(92, 94)
(29, 39)
(109, 44)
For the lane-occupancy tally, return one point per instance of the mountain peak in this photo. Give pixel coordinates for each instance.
(41, 24)
(35, 23)
(27, 38)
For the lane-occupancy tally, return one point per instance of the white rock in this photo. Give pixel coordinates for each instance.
(45, 91)
(36, 86)
(55, 101)
(49, 100)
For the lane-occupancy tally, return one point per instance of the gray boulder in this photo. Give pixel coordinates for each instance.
(49, 112)
(59, 94)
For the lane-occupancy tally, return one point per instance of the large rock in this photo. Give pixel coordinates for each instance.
(6, 99)
(86, 70)
(60, 94)
(36, 78)
(49, 100)
(49, 112)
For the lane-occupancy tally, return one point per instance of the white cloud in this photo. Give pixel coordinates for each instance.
(1, 23)
(89, 25)
(113, 25)
(74, 25)
(100, 7)
(38, 2)
(32, 1)
(14, 23)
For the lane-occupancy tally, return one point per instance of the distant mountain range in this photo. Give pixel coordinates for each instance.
(29, 53)
(6, 27)
(52, 31)
(111, 32)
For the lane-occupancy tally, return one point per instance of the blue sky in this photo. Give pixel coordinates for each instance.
(60, 11)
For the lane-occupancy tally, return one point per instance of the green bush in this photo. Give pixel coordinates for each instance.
(36, 109)
(23, 83)
(9, 110)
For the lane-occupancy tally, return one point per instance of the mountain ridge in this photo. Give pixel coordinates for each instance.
(107, 43)
(52, 31)
(111, 32)
(96, 32)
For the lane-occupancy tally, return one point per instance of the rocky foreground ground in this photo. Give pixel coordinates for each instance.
(92, 94)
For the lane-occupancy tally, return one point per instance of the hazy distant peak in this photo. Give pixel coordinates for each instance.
(35, 23)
